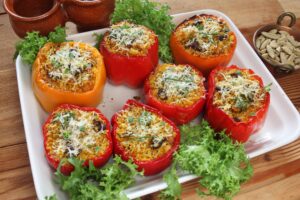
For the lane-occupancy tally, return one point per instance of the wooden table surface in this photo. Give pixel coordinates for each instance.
(276, 174)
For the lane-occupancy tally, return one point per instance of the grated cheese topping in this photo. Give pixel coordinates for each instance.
(129, 39)
(205, 35)
(177, 84)
(76, 133)
(238, 93)
(69, 68)
(143, 134)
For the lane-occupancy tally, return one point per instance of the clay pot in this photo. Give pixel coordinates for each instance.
(89, 14)
(34, 15)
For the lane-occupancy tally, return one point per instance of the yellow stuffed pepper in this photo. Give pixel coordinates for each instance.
(68, 72)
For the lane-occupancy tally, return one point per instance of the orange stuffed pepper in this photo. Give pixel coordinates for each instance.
(69, 72)
(204, 41)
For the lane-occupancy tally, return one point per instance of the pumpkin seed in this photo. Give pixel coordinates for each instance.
(265, 43)
(281, 42)
(283, 33)
(270, 51)
(270, 35)
(265, 55)
(289, 45)
(278, 49)
(291, 59)
(292, 40)
(273, 44)
(273, 30)
(262, 38)
(297, 60)
(263, 51)
(287, 50)
(258, 43)
(297, 52)
(283, 57)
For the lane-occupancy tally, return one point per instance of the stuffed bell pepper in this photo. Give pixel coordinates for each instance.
(204, 41)
(69, 72)
(177, 91)
(142, 134)
(130, 53)
(77, 132)
(237, 101)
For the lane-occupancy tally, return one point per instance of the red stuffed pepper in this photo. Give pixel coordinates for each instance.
(80, 132)
(177, 91)
(130, 53)
(237, 101)
(142, 134)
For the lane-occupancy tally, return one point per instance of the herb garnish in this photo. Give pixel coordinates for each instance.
(241, 103)
(222, 164)
(99, 38)
(29, 47)
(268, 87)
(92, 183)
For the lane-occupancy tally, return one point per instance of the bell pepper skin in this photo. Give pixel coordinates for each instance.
(203, 62)
(129, 70)
(50, 98)
(67, 168)
(178, 114)
(150, 167)
(219, 120)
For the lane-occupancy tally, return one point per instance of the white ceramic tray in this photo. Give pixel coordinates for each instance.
(282, 124)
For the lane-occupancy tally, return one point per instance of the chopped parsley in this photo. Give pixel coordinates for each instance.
(145, 118)
(97, 149)
(130, 119)
(66, 134)
(99, 38)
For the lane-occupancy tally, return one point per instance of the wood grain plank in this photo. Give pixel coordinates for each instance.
(291, 6)
(17, 184)
(13, 157)
(282, 190)
(1, 7)
(290, 84)
(238, 10)
(8, 40)
(11, 124)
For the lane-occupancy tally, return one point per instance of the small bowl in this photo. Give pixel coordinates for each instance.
(286, 68)
(89, 15)
(33, 15)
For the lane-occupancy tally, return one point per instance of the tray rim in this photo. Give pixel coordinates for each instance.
(186, 177)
